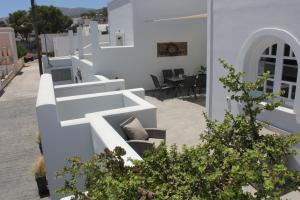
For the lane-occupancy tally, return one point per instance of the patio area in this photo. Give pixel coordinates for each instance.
(181, 117)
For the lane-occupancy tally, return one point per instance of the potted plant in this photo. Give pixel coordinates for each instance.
(202, 70)
(40, 177)
(201, 77)
(39, 141)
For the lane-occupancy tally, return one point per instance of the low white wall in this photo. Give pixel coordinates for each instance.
(50, 63)
(61, 44)
(47, 41)
(76, 107)
(104, 136)
(58, 63)
(59, 141)
(80, 137)
(86, 67)
(90, 87)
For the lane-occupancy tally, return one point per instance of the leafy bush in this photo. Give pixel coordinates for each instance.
(22, 51)
(232, 155)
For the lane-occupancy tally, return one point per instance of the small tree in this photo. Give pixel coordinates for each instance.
(233, 155)
(21, 22)
(52, 20)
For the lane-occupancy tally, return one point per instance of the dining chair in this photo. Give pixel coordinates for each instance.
(167, 73)
(158, 87)
(178, 71)
(189, 84)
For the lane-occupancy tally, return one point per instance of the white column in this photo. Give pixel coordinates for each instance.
(95, 42)
(71, 42)
(80, 42)
(210, 61)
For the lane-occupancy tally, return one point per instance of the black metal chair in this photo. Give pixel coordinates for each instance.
(167, 73)
(178, 71)
(189, 84)
(158, 87)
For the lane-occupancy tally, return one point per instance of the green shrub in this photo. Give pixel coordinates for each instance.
(233, 154)
(22, 51)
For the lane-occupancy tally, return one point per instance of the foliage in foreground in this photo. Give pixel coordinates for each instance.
(232, 154)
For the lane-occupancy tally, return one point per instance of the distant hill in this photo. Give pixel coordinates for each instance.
(3, 18)
(75, 12)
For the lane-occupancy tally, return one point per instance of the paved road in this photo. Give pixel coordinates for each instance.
(18, 149)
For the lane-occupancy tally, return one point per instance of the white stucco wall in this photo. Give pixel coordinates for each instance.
(90, 87)
(135, 63)
(67, 128)
(60, 141)
(120, 19)
(61, 44)
(234, 32)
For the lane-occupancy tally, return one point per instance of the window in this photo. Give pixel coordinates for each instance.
(280, 61)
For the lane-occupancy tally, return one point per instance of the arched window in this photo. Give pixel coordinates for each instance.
(280, 60)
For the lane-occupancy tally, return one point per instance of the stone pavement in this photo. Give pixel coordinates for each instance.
(18, 149)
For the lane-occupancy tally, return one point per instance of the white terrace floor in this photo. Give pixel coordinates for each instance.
(182, 118)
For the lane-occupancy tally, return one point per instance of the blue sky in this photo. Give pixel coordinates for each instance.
(8, 6)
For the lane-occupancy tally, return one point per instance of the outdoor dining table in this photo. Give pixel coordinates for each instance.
(175, 80)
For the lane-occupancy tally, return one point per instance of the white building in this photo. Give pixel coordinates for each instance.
(256, 36)
(252, 35)
(136, 29)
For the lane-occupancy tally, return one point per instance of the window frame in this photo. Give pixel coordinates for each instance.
(278, 72)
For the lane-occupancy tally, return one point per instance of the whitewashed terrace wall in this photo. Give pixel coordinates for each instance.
(135, 63)
(229, 45)
(230, 30)
(50, 64)
(57, 144)
(83, 134)
(90, 87)
(61, 44)
(120, 18)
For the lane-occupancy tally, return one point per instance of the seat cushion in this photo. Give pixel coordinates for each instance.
(156, 141)
(134, 129)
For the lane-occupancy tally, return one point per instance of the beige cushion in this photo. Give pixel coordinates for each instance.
(134, 129)
(156, 141)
